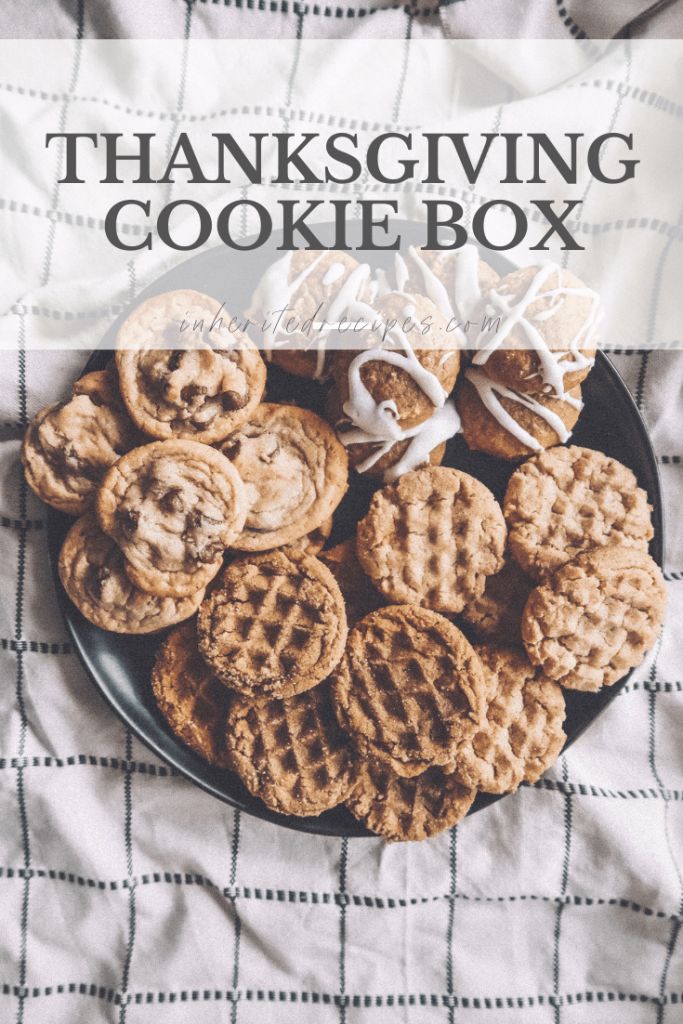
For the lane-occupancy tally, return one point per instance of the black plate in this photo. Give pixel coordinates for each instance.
(120, 666)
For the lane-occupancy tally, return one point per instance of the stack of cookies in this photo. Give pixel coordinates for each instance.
(421, 660)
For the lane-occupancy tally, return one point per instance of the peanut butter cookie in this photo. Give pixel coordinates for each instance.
(565, 501)
(295, 473)
(360, 597)
(409, 688)
(291, 753)
(595, 618)
(173, 507)
(522, 734)
(432, 538)
(274, 625)
(401, 809)
(497, 613)
(190, 698)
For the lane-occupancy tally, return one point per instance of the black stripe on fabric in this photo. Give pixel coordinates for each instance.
(35, 647)
(452, 895)
(19, 690)
(656, 687)
(669, 460)
(21, 524)
(75, 69)
(131, 881)
(326, 11)
(358, 1001)
(673, 577)
(651, 99)
(562, 902)
(565, 17)
(581, 789)
(233, 892)
(652, 759)
(342, 900)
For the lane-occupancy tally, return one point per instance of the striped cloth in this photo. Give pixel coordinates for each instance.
(128, 895)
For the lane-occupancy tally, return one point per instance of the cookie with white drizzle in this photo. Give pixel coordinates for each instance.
(315, 289)
(388, 460)
(402, 375)
(511, 424)
(546, 337)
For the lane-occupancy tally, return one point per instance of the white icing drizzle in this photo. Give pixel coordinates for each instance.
(401, 272)
(443, 424)
(553, 364)
(274, 291)
(380, 419)
(466, 290)
(489, 391)
(334, 272)
(433, 287)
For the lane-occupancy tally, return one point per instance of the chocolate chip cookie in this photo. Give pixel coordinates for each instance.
(173, 507)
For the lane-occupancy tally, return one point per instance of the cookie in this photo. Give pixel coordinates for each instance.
(92, 571)
(409, 688)
(204, 384)
(173, 507)
(546, 335)
(397, 376)
(360, 597)
(511, 424)
(401, 809)
(595, 618)
(190, 698)
(274, 625)
(497, 613)
(389, 460)
(291, 753)
(295, 473)
(456, 280)
(432, 538)
(69, 447)
(311, 543)
(315, 289)
(522, 734)
(565, 501)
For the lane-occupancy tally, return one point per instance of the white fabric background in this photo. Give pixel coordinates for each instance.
(128, 895)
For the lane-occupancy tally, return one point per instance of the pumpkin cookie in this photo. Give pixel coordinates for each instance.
(456, 280)
(522, 734)
(400, 375)
(69, 447)
(274, 625)
(511, 424)
(432, 538)
(497, 613)
(315, 289)
(595, 618)
(295, 473)
(546, 335)
(91, 568)
(190, 698)
(173, 507)
(409, 688)
(291, 753)
(203, 387)
(401, 809)
(565, 501)
(388, 460)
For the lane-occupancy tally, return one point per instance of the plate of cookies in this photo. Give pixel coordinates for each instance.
(357, 548)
